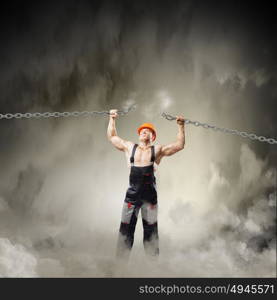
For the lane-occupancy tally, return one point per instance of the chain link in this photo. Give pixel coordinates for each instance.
(243, 134)
(57, 114)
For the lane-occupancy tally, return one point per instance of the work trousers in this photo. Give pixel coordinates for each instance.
(149, 213)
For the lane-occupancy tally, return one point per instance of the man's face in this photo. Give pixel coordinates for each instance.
(145, 134)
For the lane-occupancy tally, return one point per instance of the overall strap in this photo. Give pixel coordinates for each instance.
(152, 154)
(133, 154)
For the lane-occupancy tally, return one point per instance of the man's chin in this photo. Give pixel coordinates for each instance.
(145, 140)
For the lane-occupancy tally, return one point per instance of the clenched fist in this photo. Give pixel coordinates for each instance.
(180, 120)
(113, 113)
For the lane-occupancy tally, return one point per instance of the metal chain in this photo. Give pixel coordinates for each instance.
(243, 134)
(57, 114)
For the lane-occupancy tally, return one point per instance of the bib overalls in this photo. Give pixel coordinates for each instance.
(141, 193)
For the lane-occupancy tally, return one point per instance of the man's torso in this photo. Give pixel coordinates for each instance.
(143, 157)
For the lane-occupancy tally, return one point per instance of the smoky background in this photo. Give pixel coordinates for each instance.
(62, 183)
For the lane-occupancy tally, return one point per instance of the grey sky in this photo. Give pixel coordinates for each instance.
(62, 182)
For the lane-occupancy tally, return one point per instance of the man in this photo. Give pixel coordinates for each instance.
(142, 193)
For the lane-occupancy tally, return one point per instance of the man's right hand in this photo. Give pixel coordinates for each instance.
(113, 113)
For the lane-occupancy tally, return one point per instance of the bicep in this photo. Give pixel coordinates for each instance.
(119, 143)
(169, 149)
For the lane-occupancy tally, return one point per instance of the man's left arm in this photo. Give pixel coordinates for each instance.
(169, 149)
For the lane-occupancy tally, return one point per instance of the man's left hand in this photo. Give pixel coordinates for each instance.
(180, 120)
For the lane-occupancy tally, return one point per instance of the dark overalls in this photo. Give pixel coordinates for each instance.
(141, 193)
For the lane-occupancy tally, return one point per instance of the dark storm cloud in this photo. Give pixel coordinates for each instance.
(213, 61)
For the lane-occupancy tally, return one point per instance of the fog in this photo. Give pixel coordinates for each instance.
(62, 183)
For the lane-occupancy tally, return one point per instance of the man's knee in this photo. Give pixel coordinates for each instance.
(149, 228)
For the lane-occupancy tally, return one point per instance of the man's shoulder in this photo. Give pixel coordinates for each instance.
(129, 145)
(158, 147)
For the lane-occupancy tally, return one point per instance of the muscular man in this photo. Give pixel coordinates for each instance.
(142, 160)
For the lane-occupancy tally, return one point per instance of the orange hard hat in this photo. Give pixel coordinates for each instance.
(149, 126)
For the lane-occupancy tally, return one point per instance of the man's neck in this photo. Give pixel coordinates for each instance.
(144, 145)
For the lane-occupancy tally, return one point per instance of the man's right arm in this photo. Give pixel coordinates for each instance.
(118, 142)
